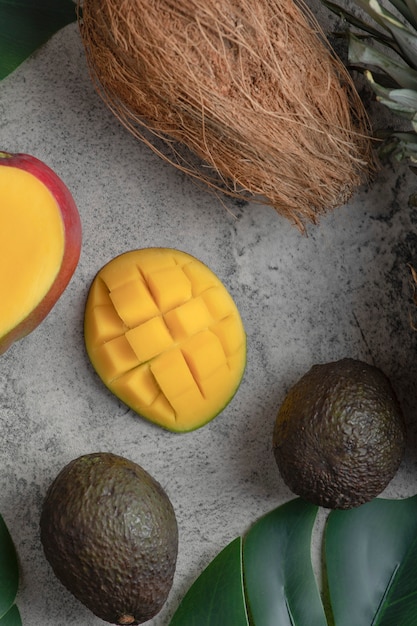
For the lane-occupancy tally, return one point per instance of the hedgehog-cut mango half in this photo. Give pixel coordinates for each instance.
(165, 336)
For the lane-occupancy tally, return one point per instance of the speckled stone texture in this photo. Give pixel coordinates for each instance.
(344, 290)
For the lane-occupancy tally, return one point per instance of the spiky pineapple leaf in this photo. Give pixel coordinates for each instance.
(399, 146)
(366, 56)
(407, 10)
(402, 101)
(404, 37)
(382, 16)
(357, 22)
(399, 92)
(407, 43)
(406, 98)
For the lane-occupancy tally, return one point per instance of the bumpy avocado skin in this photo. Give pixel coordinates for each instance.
(339, 436)
(109, 531)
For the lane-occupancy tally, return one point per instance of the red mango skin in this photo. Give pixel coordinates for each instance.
(72, 241)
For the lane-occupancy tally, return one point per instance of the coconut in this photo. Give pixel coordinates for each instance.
(243, 95)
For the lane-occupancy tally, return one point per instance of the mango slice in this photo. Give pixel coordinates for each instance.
(40, 243)
(31, 243)
(165, 336)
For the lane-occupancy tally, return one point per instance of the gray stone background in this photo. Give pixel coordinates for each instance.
(343, 290)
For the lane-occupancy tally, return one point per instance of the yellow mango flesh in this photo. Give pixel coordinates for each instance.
(165, 336)
(32, 244)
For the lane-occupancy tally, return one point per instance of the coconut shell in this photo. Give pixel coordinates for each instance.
(249, 87)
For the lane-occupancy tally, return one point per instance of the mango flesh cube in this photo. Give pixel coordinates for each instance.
(218, 302)
(149, 339)
(138, 378)
(187, 405)
(106, 324)
(204, 354)
(100, 293)
(170, 288)
(154, 260)
(117, 274)
(228, 335)
(124, 298)
(172, 374)
(188, 319)
(180, 353)
(200, 277)
(163, 413)
(117, 357)
(217, 380)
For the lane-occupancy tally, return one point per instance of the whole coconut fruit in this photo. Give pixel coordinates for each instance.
(264, 109)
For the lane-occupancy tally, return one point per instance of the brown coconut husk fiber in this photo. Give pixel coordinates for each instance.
(248, 86)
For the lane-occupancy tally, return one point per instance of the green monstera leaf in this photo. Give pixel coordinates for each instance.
(26, 25)
(9, 579)
(371, 556)
(279, 579)
(11, 618)
(267, 578)
(217, 596)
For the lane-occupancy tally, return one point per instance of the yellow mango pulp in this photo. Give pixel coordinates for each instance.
(32, 244)
(165, 336)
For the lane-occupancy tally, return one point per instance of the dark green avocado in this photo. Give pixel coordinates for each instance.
(339, 436)
(109, 531)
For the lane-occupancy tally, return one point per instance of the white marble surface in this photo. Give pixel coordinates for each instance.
(344, 290)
